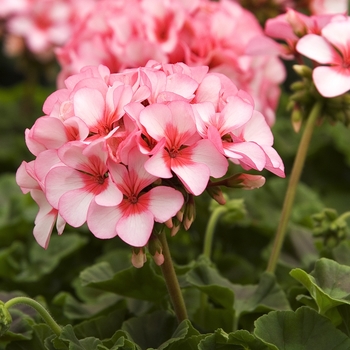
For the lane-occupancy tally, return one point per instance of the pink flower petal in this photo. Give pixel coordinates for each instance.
(136, 228)
(102, 221)
(45, 219)
(89, 105)
(60, 180)
(205, 152)
(163, 202)
(331, 81)
(317, 48)
(194, 176)
(159, 165)
(74, 206)
(111, 196)
(249, 153)
(338, 34)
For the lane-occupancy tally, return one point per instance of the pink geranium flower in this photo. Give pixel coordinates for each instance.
(80, 180)
(133, 219)
(183, 152)
(331, 48)
(31, 177)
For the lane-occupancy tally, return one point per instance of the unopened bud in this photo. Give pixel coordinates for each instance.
(180, 213)
(297, 119)
(298, 85)
(156, 249)
(5, 319)
(138, 257)
(303, 71)
(176, 226)
(190, 213)
(245, 181)
(216, 193)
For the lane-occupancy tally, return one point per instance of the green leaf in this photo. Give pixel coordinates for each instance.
(119, 341)
(102, 327)
(74, 310)
(184, 334)
(248, 341)
(143, 283)
(304, 329)
(209, 281)
(68, 335)
(328, 284)
(341, 253)
(265, 296)
(210, 318)
(151, 330)
(42, 262)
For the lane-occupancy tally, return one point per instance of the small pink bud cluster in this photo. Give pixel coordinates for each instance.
(123, 151)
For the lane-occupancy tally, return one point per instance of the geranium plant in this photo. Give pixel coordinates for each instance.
(146, 238)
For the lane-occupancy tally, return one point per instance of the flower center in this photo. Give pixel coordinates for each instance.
(100, 179)
(173, 152)
(132, 199)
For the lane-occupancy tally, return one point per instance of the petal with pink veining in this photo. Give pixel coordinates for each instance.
(251, 154)
(338, 34)
(102, 221)
(205, 152)
(135, 228)
(110, 196)
(74, 206)
(60, 180)
(163, 202)
(159, 164)
(194, 176)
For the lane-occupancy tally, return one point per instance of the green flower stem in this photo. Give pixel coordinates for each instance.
(207, 248)
(39, 308)
(292, 186)
(171, 281)
(209, 232)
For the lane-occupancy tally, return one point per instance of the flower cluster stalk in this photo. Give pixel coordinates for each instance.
(292, 186)
(39, 308)
(171, 281)
(209, 232)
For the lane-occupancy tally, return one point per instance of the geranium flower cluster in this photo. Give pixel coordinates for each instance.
(125, 150)
(39, 25)
(127, 33)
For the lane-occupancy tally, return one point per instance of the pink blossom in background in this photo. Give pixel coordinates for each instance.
(125, 34)
(331, 48)
(321, 7)
(121, 151)
(290, 27)
(42, 24)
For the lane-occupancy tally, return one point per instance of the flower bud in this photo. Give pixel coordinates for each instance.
(303, 71)
(138, 257)
(156, 249)
(245, 181)
(297, 119)
(216, 193)
(190, 213)
(5, 319)
(176, 227)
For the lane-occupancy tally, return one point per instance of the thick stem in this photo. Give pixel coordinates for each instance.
(39, 308)
(171, 281)
(292, 186)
